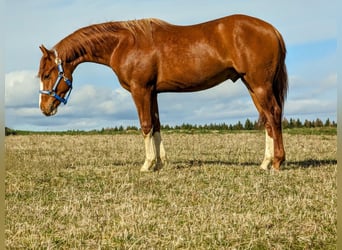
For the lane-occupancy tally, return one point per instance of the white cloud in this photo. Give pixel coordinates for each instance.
(21, 88)
(331, 80)
(311, 106)
(88, 100)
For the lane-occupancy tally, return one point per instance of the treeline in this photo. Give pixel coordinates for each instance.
(318, 123)
(247, 125)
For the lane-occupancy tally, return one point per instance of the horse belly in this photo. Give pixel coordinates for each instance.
(196, 81)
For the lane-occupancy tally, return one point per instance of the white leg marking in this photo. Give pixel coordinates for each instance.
(160, 150)
(269, 152)
(151, 155)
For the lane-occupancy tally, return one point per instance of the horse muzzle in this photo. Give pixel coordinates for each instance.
(50, 113)
(49, 110)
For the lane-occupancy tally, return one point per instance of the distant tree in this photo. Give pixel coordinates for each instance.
(238, 126)
(9, 131)
(307, 123)
(318, 123)
(188, 126)
(212, 126)
(298, 124)
(166, 127)
(327, 123)
(292, 123)
(248, 125)
(132, 128)
(224, 126)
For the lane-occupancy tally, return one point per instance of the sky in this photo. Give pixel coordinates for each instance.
(309, 28)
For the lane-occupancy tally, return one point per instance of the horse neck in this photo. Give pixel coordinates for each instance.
(97, 48)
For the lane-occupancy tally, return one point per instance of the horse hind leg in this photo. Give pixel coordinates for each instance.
(161, 159)
(269, 152)
(274, 119)
(274, 138)
(270, 112)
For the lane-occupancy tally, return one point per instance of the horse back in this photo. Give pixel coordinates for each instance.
(200, 56)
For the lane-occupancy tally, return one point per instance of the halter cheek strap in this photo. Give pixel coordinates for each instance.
(53, 91)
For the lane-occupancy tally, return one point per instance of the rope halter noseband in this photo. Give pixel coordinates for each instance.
(53, 91)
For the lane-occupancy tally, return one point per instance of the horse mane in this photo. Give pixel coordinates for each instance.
(142, 25)
(85, 39)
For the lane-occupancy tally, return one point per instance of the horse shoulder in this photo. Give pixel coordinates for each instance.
(133, 62)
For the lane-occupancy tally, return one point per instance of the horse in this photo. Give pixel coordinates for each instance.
(150, 56)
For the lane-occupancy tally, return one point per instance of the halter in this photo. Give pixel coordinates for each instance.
(61, 76)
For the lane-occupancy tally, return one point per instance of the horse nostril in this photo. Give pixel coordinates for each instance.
(45, 113)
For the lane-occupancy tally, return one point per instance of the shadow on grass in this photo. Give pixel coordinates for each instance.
(200, 163)
(310, 163)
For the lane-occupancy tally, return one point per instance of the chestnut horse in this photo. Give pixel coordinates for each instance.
(150, 56)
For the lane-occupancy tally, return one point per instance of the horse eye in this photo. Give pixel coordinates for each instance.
(46, 77)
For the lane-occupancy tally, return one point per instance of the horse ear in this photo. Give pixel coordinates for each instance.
(45, 51)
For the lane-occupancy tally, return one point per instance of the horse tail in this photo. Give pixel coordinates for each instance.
(280, 81)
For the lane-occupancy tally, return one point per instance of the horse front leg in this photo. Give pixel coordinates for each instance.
(155, 142)
(143, 99)
(150, 163)
(155, 152)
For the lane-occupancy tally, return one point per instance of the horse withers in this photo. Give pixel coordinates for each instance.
(150, 56)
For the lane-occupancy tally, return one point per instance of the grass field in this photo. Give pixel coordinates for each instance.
(86, 192)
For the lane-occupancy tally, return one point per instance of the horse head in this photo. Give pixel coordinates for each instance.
(55, 81)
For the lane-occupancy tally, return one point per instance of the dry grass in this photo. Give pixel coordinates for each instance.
(86, 192)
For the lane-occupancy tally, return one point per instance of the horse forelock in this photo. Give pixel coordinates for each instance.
(43, 66)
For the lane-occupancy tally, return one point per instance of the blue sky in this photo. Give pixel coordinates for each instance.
(308, 27)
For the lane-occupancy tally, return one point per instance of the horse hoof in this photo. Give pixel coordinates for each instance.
(265, 164)
(148, 166)
(145, 170)
(158, 166)
(263, 167)
(152, 166)
(274, 170)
